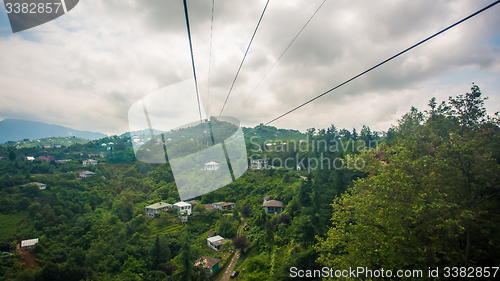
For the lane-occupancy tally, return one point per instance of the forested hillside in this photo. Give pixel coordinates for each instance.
(423, 194)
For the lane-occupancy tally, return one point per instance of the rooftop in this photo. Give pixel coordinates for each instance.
(36, 183)
(182, 204)
(159, 205)
(224, 203)
(273, 203)
(29, 242)
(207, 262)
(212, 163)
(216, 240)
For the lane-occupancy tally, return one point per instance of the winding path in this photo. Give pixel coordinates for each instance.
(227, 273)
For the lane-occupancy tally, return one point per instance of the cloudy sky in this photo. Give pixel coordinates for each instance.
(88, 67)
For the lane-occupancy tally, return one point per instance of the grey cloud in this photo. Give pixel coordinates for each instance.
(106, 55)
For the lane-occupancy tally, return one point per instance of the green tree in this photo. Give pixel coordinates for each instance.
(187, 258)
(199, 207)
(12, 155)
(431, 198)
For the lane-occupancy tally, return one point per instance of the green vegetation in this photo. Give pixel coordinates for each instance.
(52, 142)
(425, 196)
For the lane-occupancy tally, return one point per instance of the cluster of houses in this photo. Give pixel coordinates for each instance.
(214, 242)
(186, 208)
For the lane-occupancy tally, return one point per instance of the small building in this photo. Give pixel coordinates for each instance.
(86, 174)
(215, 242)
(211, 166)
(211, 264)
(42, 186)
(209, 207)
(224, 205)
(258, 163)
(30, 158)
(183, 207)
(89, 162)
(27, 244)
(273, 206)
(183, 218)
(154, 209)
(211, 234)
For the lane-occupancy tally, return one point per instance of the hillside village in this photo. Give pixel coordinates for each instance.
(86, 212)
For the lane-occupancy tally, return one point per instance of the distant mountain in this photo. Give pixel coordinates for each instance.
(16, 129)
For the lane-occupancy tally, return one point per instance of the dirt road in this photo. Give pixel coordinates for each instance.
(227, 273)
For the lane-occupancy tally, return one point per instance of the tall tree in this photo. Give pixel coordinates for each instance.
(432, 197)
(12, 155)
(188, 271)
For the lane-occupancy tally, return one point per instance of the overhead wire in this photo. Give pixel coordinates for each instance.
(192, 58)
(244, 56)
(383, 62)
(286, 49)
(210, 59)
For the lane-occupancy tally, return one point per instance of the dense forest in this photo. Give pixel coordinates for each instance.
(424, 194)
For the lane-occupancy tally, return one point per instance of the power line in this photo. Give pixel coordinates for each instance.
(192, 58)
(398, 54)
(241, 64)
(280, 56)
(210, 59)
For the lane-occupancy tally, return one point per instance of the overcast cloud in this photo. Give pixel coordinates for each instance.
(87, 68)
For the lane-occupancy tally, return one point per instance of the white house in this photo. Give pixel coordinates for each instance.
(42, 186)
(215, 242)
(224, 205)
(86, 174)
(30, 158)
(258, 163)
(88, 162)
(155, 209)
(183, 207)
(27, 244)
(273, 206)
(212, 166)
